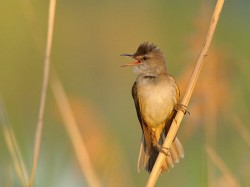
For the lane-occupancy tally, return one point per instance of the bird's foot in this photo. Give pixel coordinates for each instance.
(164, 150)
(181, 107)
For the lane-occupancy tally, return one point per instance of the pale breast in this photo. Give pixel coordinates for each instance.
(157, 101)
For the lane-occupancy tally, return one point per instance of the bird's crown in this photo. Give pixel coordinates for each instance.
(146, 48)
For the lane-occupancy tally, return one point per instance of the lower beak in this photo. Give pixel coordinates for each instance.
(136, 63)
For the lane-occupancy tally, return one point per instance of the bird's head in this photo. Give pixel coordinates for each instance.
(149, 59)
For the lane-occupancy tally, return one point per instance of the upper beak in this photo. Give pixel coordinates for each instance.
(137, 62)
(127, 55)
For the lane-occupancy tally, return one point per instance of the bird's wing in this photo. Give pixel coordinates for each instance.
(176, 89)
(146, 145)
(174, 112)
(144, 127)
(136, 101)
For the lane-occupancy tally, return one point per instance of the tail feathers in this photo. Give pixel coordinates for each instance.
(178, 147)
(143, 156)
(147, 160)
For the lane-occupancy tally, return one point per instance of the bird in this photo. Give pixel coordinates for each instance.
(156, 98)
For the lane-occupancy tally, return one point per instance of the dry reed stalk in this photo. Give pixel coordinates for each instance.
(179, 116)
(38, 133)
(74, 133)
(242, 129)
(17, 161)
(13, 147)
(222, 167)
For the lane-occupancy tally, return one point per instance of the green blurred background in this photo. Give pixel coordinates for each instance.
(88, 38)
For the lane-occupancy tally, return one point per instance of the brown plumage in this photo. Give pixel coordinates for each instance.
(155, 95)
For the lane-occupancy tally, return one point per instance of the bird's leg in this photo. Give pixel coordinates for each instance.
(181, 107)
(159, 147)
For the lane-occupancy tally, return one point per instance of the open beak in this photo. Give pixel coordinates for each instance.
(136, 63)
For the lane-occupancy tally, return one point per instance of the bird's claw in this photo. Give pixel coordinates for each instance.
(182, 107)
(163, 150)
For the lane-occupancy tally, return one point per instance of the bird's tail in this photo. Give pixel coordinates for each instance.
(147, 158)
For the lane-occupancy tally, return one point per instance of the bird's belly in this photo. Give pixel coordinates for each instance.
(156, 107)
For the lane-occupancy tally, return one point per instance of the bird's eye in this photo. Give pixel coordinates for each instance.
(145, 58)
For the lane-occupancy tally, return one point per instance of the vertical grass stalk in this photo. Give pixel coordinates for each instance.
(39, 128)
(13, 147)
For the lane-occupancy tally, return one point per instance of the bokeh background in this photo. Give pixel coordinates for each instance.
(88, 38)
